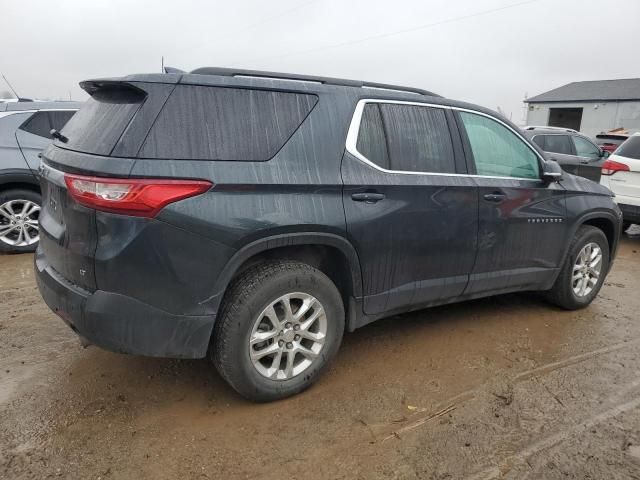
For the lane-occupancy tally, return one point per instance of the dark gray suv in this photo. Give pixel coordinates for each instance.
(574, 152)
(25, 128)
(254, 217)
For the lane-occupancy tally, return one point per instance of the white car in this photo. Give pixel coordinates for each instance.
(621, 174)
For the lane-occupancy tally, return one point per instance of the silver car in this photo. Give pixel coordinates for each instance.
(25, 129)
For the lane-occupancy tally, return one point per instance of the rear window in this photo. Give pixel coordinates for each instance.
(418, 138)
(630, 148)
(371, 139)
(218, 123)
(406, 138)
(555, 144)
(100, 122)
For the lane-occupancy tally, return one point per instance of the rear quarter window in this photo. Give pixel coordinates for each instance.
(218, 123)
(38, 124)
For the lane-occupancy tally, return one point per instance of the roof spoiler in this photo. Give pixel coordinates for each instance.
(94, 86)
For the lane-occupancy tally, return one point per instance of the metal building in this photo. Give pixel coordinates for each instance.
(589, 107)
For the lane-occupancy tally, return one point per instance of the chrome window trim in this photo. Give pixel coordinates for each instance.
(354, 128)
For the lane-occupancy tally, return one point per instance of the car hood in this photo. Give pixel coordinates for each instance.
(573, 183)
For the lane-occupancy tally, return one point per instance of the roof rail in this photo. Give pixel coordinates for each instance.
(542, 127)
(234, 72)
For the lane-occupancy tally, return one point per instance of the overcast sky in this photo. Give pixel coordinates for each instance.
(489, 52)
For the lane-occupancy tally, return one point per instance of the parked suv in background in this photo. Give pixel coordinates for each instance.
(574, 152)
(621, 173)
(255, 216)
(24, 131)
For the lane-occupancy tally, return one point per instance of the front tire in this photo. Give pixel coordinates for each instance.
(583, 271)
(19, 216)
(280, 325)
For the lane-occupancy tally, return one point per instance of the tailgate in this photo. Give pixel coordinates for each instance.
(68, 234)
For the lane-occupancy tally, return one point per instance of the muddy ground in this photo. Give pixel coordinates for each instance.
(508, 387)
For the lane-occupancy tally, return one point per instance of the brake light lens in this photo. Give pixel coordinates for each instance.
(609, 167)
(132, 196)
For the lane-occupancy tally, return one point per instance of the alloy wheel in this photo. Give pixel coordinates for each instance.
(19, 223)
(288, 336)
(586, 270)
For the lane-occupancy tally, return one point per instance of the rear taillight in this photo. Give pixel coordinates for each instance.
(609, 167)
(137, 197)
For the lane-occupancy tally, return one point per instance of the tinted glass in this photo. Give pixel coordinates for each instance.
(630, 148)
(418, 138)
(371, 138)
(59, 118)
(214, 123)
(98, 125)
(497, 151)
(584, 148)
(539, 140)
(557, 144)
(38, 124)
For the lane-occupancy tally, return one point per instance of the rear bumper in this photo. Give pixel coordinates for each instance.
(630, 213)
(120, 323)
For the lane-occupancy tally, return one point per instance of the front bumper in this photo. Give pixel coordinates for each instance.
(120, 323)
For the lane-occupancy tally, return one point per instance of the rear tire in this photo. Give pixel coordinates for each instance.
(19, 232)
(309, 330)
(575, 286)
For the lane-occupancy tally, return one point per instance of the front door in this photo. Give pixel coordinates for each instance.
(590, 158)
(522, 224)
(411, 215)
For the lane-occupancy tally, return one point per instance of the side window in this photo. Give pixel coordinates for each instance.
(38, 124)
(218, 123)
(558, 144)
(540, 141)
(418, 138)
(497, 151)
(584, 148)
(371, 139)
(59, 118)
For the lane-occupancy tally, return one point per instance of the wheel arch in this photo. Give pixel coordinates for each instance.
(604, 220)
(330, 253)
(11, 179)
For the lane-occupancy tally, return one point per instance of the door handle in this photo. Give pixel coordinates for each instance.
(368, 197)
(494, 197)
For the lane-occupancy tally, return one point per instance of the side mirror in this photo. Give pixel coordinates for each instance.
(551, 171)
(604, 154)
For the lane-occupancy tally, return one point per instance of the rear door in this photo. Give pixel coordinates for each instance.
(522, 229)
(560, 148)
(411, 212)
(590, 157)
